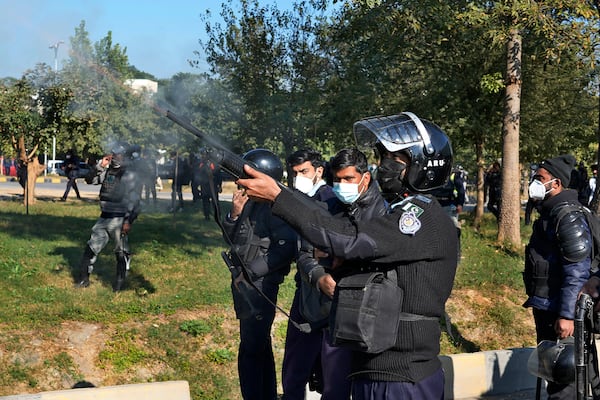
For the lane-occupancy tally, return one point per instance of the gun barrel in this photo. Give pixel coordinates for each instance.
(229, 161)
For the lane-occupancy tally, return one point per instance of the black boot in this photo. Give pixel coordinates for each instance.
(121, 271)
(85, 267)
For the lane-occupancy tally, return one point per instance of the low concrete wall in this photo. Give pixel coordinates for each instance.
(487, 373)
(172, 390)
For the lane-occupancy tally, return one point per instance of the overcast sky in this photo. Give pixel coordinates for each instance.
(160, 35)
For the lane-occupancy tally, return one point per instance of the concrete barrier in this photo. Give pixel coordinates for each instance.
(485, 373)
(39, 179)
(172, 390)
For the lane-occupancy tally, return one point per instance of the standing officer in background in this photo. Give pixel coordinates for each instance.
(180, 173)
(209, 179)
(493, 189)
(266, 246)
(451, 197)
(119, 203)
(71, 168)
(301, 359)
(409, 254)
(149, 176)
(557, 258)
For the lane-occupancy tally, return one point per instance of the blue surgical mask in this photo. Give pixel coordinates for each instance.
(347, 193)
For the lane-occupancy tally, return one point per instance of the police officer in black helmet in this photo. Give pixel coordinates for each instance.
(119, 203)
(267, 246)
(409, 252)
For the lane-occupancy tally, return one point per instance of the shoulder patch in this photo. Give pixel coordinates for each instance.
(413, 208)
(409, 223)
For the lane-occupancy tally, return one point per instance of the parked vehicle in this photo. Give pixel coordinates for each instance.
(84, 168)
(53, 166)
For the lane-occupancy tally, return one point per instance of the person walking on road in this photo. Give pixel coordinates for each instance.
(71, 168)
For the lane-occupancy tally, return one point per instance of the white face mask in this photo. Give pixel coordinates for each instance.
(347, 193)
(304, 184)
(537, 189)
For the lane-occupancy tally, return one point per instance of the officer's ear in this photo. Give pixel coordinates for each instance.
(367, 179)
(557, 184)
(319, 171)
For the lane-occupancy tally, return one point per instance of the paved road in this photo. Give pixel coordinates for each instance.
(56, 189)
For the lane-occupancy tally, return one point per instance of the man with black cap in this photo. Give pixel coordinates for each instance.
(557, 258)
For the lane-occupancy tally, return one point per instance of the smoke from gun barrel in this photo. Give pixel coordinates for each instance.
(228, 160)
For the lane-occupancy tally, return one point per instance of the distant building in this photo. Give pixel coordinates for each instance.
(140, 86)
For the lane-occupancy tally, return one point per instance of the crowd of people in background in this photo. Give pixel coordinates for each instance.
(8, 166)
(194, 170)
(201, 174)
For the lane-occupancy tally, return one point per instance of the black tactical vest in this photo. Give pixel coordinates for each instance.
(111, 189)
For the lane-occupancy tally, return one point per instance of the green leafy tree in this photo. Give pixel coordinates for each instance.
(248, 56)
(32, 111)
(270, 62)
(557, 26)
(104, 108)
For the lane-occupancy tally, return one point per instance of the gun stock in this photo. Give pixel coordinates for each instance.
(583, 311)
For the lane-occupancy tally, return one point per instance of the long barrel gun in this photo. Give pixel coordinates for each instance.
(234, 165)
(219, 154)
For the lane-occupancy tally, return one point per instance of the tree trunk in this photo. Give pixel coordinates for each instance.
(34, 169)
(509, 228)
(29, 169)
(595, 204)
(480, 183)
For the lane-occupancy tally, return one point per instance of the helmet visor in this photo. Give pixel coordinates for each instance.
(395, 133)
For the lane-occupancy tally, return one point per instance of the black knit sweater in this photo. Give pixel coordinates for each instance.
(424, 260)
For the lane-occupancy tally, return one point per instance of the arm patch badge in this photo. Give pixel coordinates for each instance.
(409, 223)
(413, 208)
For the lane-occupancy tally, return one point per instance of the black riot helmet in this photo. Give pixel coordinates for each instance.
(134, 151)
(426, 145)
(266, 162)
(118, 150)
(554, 361)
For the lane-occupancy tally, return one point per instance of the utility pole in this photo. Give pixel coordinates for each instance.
(55, 47)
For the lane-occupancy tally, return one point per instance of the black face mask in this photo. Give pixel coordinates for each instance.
(389, 178)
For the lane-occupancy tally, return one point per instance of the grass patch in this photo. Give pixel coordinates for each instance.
(175, 318)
